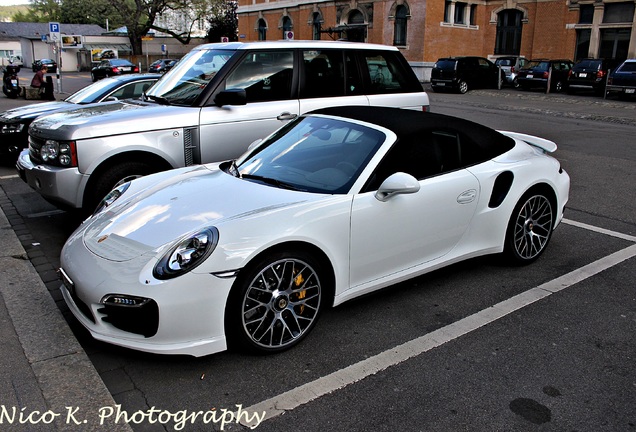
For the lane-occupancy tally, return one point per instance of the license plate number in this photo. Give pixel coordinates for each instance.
(125, 69)
(441, 84)
(630, 90)
(530, 76)
(583, 75)
(14, 82)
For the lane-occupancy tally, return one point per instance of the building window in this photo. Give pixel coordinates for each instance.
(448, 11)
(262, 30)
(618, 13)
(582, 43)
(586, 14)
(399, 28)
(287, 26)
(316, 25)
(460, 13)
(614, 43)
(508, 39)
(473, 13)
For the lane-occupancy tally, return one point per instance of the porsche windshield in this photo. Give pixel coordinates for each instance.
(314, 154)
(185, 82)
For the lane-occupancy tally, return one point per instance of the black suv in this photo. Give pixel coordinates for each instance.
(590, 74)
(464, 73)
(537, 72)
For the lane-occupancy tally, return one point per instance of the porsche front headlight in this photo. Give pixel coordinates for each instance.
(187, 254)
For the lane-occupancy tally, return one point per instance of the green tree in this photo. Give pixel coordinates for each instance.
(223, 22)
(40, 11)
(98, 12)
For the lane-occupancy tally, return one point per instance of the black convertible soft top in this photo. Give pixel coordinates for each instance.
(408, 125)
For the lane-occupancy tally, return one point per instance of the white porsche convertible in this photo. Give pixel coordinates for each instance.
(337, 203)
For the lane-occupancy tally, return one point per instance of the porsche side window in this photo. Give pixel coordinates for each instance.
(435, 153)
(265, 76)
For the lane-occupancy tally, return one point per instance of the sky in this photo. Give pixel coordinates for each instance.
(13, 2)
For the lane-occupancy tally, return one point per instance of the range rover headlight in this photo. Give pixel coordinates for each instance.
(187, 253)
(50, 150)
(111, 197)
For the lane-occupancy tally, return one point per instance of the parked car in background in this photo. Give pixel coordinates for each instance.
(14, 123)
(589, 74)
(461, 74)
(216, 101)
(112, 67)
(50, 64)
(536, 73)
(198, 270)
(162, 66)
(511, 65)
(622, 81)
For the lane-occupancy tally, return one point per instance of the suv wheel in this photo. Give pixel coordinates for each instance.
(113, 177)
(462, 86)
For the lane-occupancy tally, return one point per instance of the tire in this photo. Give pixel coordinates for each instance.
(515, 83)
(558, 87)
(274, 303)
(111, 178)
(462, 87)
(93, 77)
(530, 228)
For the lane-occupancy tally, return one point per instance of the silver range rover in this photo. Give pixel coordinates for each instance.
(216, 101)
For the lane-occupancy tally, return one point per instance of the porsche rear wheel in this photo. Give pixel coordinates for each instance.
(275, 302)
(530, 228)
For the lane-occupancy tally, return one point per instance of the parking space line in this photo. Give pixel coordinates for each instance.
(599, 230)
(339, 379)
(9, 177)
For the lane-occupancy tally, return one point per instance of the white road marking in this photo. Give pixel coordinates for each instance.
(339, 379)
(9, 177)
(599, 230)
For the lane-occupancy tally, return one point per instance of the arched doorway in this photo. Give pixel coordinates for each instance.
(356, 31)
(509, 28)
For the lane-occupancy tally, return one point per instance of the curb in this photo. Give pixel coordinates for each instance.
(66, 377)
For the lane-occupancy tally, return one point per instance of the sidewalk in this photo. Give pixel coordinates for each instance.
(43, 368)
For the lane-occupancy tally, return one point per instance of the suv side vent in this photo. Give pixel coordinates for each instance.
(191, 148)
(500, 189)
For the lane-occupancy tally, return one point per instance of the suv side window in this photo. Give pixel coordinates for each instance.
(324, 74)
(386, 73)
(265, 76)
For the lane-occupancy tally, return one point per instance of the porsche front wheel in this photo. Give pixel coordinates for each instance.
(275, 303)
(530, 228)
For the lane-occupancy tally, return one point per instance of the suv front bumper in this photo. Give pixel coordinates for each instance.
(61, 186)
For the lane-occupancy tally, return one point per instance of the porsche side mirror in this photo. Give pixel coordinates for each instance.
(396, 184)
(231, 97)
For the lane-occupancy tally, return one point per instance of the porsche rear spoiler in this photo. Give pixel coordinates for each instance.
(544, 144)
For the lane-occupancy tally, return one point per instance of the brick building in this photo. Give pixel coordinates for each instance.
(426, 30)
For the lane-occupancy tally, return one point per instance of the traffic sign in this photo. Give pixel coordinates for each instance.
(54, 31)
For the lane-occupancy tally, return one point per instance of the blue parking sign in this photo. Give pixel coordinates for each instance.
(54, 27)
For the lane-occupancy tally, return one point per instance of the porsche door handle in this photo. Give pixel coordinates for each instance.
(467, 196)
(286, 116)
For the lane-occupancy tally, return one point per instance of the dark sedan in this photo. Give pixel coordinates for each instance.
(50, 64)
(162, 66)
(461, 74)
(14, 123)
(112, 67)
(538, 73)
(622, 81)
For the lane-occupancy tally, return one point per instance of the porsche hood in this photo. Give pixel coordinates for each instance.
(176, 206)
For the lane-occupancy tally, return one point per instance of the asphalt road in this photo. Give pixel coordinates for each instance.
(478, 346)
